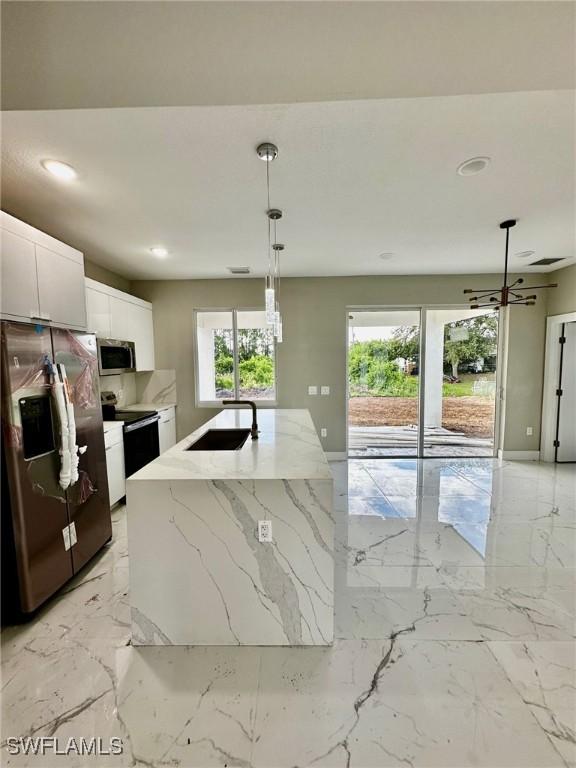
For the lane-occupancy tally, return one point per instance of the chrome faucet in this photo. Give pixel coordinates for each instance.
(252, 404)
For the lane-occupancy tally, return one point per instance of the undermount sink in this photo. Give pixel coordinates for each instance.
(220, 440)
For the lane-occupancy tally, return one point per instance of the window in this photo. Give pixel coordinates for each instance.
(235, 356)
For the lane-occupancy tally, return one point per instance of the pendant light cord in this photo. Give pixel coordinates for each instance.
(506, 259)
(268, 217)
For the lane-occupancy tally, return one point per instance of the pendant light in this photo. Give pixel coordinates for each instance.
(277, 248)
(268, 152)
(507, 295)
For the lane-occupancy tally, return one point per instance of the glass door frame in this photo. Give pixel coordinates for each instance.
(423, 309)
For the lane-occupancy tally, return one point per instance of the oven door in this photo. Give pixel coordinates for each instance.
(116, 356)
(141, 444)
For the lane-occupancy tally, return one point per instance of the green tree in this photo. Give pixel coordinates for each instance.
(405, 343)
(481, 341)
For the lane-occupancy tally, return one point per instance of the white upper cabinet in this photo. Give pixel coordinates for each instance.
(60, 288)
(118, 315)
(19, 282)
(42, 278)
(98, 312)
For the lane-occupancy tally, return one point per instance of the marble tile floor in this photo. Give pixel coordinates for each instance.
(455, 624)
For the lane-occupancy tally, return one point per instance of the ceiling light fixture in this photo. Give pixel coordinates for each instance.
(507, 294)
(62, 171)
(524, 254)
(269, 152)
(386, 255)
(473, 166)
(159, 251)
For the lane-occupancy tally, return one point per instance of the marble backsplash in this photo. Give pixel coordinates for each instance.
(123, 385)
(146, 387)
(156, 386)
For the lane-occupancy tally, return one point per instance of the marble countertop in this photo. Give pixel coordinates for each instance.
(288, 448)
(147, 407)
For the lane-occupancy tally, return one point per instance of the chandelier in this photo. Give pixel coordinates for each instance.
(269, 152)
(507, 295)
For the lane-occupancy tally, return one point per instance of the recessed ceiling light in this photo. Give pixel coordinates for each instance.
(525, 254)
(60, 170)
(386, 255)
(473, 165)
(159, 251)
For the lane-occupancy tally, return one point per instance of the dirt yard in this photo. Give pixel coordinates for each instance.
(474, 416)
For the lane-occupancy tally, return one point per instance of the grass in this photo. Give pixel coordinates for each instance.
(463, 388)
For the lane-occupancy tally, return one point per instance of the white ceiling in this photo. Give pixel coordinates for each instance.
(354, 178)
(69, 55)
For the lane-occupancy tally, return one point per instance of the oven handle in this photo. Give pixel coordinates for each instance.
(143, 423)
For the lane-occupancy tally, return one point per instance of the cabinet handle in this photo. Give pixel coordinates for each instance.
(39, 316)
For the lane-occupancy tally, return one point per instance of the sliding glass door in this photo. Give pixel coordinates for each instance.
(383, 387)
(421, 382)
(460, 353)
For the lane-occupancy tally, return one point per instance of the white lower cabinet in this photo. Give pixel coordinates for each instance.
(167, 429)
(114, 442)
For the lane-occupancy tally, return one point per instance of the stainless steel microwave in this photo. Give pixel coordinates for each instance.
(116, 356)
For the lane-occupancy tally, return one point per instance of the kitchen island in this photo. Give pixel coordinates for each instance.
(200, 573)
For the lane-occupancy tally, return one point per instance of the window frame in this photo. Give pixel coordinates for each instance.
(218, 403)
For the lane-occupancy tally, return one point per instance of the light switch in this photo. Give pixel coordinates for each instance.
(323, 432)
(324, 390)
(312, 390)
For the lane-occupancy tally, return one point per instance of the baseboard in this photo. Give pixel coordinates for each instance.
(336, 455)
(519, 455)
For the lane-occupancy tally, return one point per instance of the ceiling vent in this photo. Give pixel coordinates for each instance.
(545, 262)
(239, 270)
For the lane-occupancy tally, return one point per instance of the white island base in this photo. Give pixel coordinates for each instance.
(199, 574)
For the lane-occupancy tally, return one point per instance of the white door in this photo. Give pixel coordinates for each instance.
(566, 415)
(19, 281)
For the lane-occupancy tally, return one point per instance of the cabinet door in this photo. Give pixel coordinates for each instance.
(19, 281)
(116, 473)
(130, 322)
(167, 434)
(61, 288)
(98, 313)
(121, 320)
(145, 341)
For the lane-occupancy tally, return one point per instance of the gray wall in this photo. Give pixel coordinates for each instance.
(314, 350)
(106, 276)
(562, 299)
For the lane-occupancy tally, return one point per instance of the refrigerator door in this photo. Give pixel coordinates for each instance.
(34, 509)
(88, 502)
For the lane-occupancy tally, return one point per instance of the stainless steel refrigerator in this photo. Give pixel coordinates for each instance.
(48, 533)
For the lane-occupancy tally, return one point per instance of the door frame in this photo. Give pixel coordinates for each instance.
(551, 373)
(422, 309)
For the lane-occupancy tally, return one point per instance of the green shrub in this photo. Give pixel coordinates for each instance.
(257, 371)
(224, 382)
(224, 363)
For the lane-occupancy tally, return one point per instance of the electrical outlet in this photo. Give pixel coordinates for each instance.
(312, 390)
(265, 531)
(324, 390)
(529, 431)
(323, 432)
